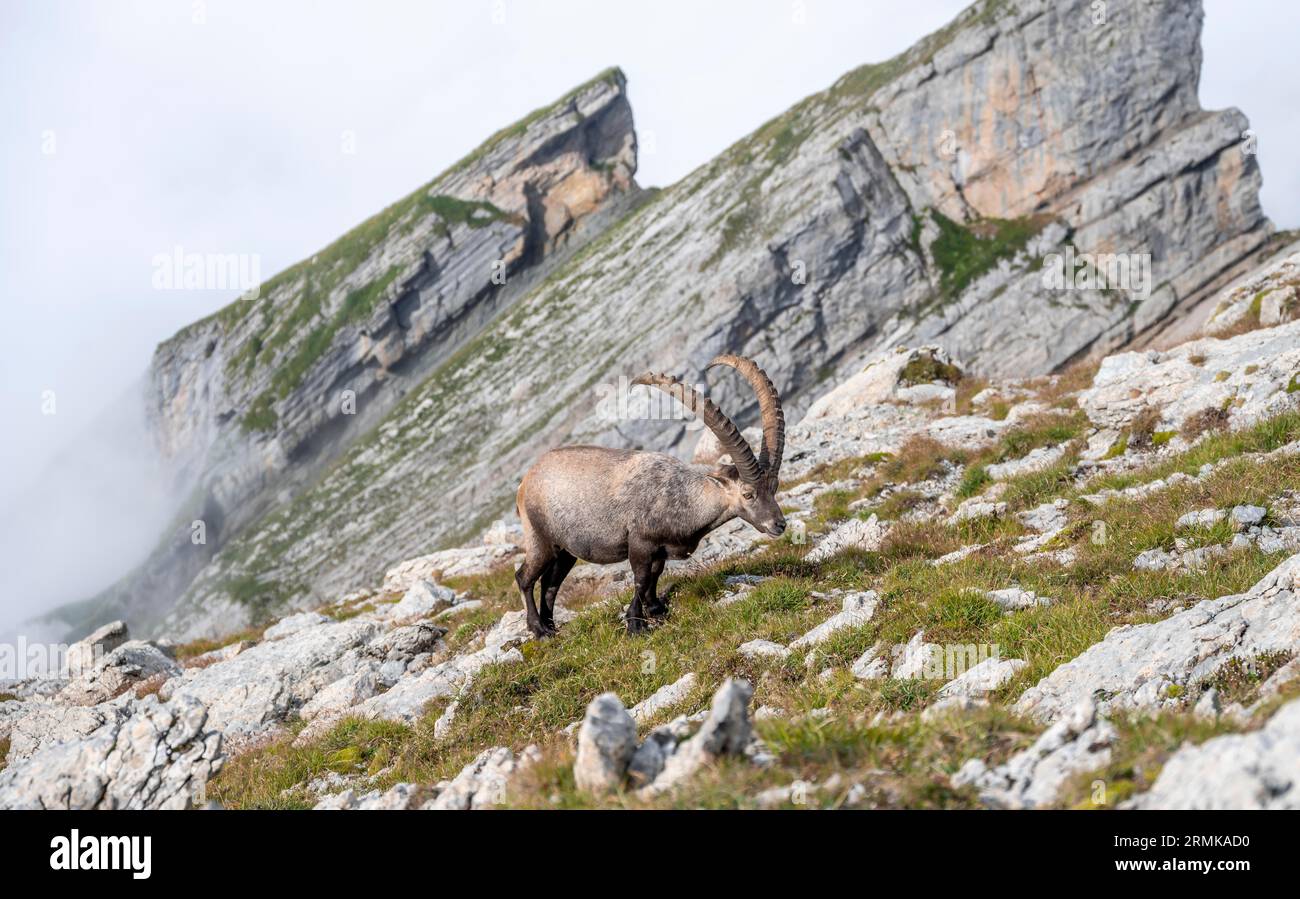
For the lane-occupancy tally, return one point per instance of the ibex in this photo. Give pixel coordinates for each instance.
(606, 505)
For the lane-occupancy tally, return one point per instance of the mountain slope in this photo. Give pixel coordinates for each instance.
(251, 403)
(913, 200)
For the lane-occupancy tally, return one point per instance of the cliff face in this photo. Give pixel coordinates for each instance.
(916, 200)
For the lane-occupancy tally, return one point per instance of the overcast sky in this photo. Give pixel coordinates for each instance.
(131, 128)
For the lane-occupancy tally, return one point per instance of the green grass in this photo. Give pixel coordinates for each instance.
(1239, 679)
(530, 702)
(964, 253)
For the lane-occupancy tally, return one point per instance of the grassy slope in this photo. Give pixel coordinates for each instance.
(903, 760)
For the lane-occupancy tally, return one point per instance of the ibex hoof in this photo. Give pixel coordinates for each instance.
(542, 629)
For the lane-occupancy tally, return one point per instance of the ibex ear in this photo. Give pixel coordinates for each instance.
(722, 474)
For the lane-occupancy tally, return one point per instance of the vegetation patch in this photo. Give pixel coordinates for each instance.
(1239, 679)
(964, 253)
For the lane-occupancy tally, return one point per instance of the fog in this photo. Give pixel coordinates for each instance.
(134, 129)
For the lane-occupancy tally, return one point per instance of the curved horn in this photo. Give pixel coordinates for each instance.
(708, 412)
(769, 403)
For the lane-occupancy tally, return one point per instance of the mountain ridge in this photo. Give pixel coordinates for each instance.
(865, 189)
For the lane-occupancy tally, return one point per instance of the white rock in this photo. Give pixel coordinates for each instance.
(881, 379)
(1048, 517)
(126, 666)
(763, 649)
(915, 658)
(1034, 461)
(606, 743)
(251, 694)
(1257, 770)
(399, 797)
(726, 730)
(1247, 516)
(424, 597)
(1180, 387)
(155, 756)
(984, 677)
(292, 624)
(856, 610)
(482, 784)
(1079, 741)
(855, 533)
(976, 508)
(871, 665)
(665, 697)
(1202, 518)
(1015, 598)
(83, 655)
(1135, 664)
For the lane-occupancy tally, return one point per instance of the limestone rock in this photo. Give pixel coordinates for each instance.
(154, 756)
(1247, 376)
(130, 664)
(482, 783)
(422, 598)
(983, 677)
(1255, 770)
(855, 533)
(399, 797)
(251, 694)
(292, 624)
(606, 743)
(1079, 741)
(1035, 460)
(887, 376)
(1014, 598)
(725, 730)
(1135, 665)
(763, 649)
(856, 610)
(665, 697)
(85, 653)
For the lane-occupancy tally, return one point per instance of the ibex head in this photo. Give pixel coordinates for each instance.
(750, 482)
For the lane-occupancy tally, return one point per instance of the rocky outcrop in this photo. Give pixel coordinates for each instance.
(153, 756)
(1080, 741)
(1149, 665)
(251, 403)
(1256, 770)
(938, 185)
(1246, 378)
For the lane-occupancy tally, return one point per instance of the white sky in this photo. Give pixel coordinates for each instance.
(226, 137)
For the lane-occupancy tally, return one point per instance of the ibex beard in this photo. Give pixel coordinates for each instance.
(606, 505)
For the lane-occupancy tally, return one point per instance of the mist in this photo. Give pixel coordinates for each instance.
(221, 127)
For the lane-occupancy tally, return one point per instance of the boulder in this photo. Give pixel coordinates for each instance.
(1135, 665)
(153, 756)
(726, 730)
(606, 743)
(1255, 770)
(130, 664)
(665, 697)
(856, 610)
(86, 652)
(1079, 741)
(482, 784)
(855, 533)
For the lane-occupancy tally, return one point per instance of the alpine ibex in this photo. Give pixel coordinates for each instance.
(606, 505)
